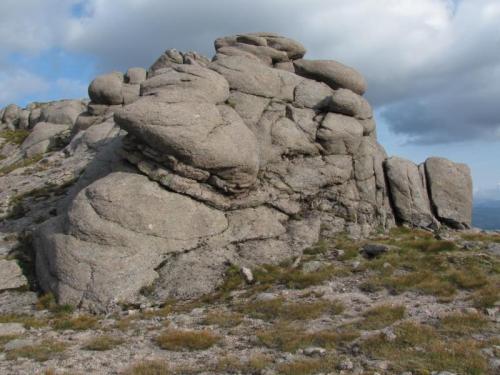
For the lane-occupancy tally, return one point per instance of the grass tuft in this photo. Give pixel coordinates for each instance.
(308, 366)
(41, 352)
(149, 368)
(279, 309)
(180, 340)
(27, 320)
(103, 343)
(290, 337)
(381, 317)
(223, 319)
(420, 348)
(14, 136)
(79, 323)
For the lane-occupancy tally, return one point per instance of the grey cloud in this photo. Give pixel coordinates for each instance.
(432, 65)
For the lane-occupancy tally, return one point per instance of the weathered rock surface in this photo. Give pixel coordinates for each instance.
(197, 164)
(333, 73)
(42, 138)
(11, 275)
(409, 192)
(450, 189)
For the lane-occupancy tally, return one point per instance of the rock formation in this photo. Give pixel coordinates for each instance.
(245, 159)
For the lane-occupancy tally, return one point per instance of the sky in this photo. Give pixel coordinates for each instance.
(432, 66)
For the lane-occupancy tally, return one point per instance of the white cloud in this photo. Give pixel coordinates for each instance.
(16, 84)
(30, 26)
(432, 64)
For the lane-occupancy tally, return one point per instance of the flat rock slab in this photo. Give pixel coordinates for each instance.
(11, 275)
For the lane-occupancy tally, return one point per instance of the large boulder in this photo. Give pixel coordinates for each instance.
(107, 89)
(409, 193)
(11, 115)
(62, 112)
(245, 160)
(270, 48)
(187, 83)
(43, 137)
(333, 73)
(450, 190)
(252, 77)
(206, 136)
(11, 275)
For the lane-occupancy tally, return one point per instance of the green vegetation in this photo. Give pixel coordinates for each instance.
(79, 323)
(223, 319)
(308, 366)
(423, 264)
(380, 317)
(232, 364)
(279, 309)
(149, 368)
(48, 302)
(41, 352)
(20, 164)
(290, 337)
(103, 343)
(27, 320)
(5, 339)
(436, 353)
(14, 136)
(179, 340)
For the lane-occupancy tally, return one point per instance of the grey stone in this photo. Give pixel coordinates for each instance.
(351, 104)
(450, 191)
(312, 94)
(494, 248)
(373, 250)
(24, 119)
(312, 266)
(339, 134)
(252, 77)
(247, 275)
(239, 161)
(116, 232)
(212, 138)
(313, 351)
(187, 83)
(62, 112)
(11, 114)
(16, 302)
(42, 138)
(249, 107)
(107, 89)
(17, 344)
(135, 75)
(272, 46)
(408, 193)
(291, 139)
(11, 275)
(11, 329)
(333, 73)
(168, 59)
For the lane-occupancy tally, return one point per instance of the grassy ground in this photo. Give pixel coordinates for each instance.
(422, 306)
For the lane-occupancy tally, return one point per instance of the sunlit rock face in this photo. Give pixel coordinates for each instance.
(245, 159)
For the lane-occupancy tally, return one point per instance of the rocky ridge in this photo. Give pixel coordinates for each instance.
(197, 164)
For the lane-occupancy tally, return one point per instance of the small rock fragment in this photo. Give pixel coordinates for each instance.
(373, 250)
(247, 275)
